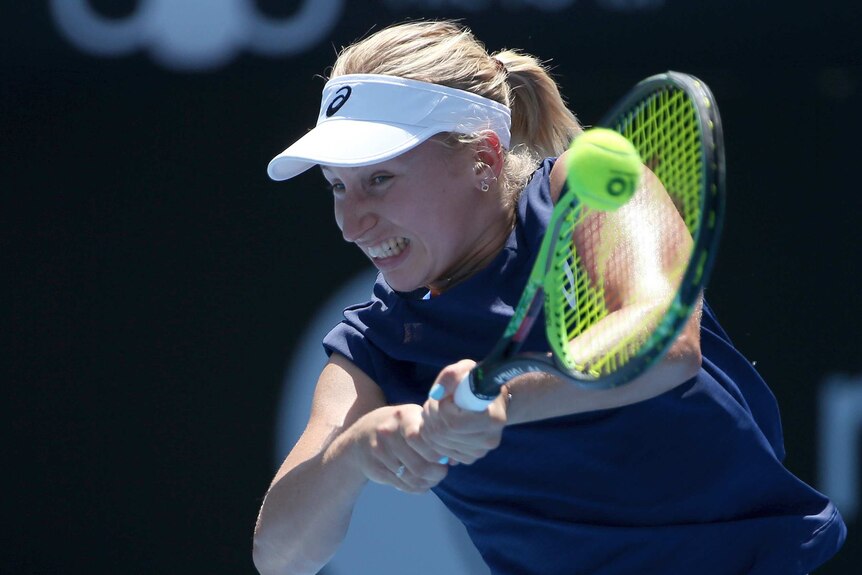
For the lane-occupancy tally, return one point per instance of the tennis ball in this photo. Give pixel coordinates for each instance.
(603, 169)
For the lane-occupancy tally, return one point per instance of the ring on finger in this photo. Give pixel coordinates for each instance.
(399, 473)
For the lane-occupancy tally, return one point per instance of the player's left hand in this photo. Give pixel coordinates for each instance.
(461, 435)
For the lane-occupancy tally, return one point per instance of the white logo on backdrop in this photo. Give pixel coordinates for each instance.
(545, 5)
(196, 34)
(206, 34)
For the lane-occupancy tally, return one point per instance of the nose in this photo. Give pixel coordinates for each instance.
(354, 216)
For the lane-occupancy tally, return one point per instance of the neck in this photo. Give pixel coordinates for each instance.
(488, 245)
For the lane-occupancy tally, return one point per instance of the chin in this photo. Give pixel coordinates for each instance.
(402, 284)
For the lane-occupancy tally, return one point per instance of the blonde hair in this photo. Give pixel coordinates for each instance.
(446, 53)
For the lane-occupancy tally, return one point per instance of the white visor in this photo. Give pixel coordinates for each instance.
(369, 118)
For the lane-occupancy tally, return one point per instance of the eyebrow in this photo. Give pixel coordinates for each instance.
(361, 171)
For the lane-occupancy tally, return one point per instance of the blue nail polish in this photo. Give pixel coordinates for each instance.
(437, 391)
(443, 460)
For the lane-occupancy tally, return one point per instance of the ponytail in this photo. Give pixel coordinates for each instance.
(541, 121)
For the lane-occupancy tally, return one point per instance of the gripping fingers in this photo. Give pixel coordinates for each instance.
(417, 473)
(402, 466)
(416, 481)
(461, 435)
(470, 448)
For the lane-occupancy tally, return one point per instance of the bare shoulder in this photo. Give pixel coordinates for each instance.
(558, 176)
(344, 393)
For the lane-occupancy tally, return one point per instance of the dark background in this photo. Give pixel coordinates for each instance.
(156, 281)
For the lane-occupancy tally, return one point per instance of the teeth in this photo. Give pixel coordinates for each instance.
(388, 248)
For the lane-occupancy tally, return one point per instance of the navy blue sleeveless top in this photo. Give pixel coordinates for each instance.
(688, 482)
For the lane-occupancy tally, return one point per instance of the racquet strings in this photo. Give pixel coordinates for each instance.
(592, 331)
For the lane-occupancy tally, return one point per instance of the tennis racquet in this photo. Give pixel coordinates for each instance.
(618, 287)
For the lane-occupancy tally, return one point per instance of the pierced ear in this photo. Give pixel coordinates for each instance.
(489, 153)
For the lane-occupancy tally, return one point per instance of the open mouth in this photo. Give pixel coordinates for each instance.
(389, 248)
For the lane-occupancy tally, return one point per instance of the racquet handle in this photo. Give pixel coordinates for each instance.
(465, 399)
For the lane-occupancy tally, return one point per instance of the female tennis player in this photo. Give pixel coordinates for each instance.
(441, 161)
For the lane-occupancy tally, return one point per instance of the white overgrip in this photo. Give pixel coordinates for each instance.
(465, 399)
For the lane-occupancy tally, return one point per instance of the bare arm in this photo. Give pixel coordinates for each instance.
(351, 437)
(540, 396)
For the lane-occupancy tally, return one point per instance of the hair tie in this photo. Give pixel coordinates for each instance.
(500, 65)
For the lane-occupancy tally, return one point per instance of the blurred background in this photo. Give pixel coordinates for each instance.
(163, 297)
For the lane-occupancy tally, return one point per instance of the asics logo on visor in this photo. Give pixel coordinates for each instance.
(340, 98)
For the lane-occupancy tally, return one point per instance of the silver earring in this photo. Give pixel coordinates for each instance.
(485, 187)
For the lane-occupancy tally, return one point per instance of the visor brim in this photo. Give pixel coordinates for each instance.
(347, 143)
